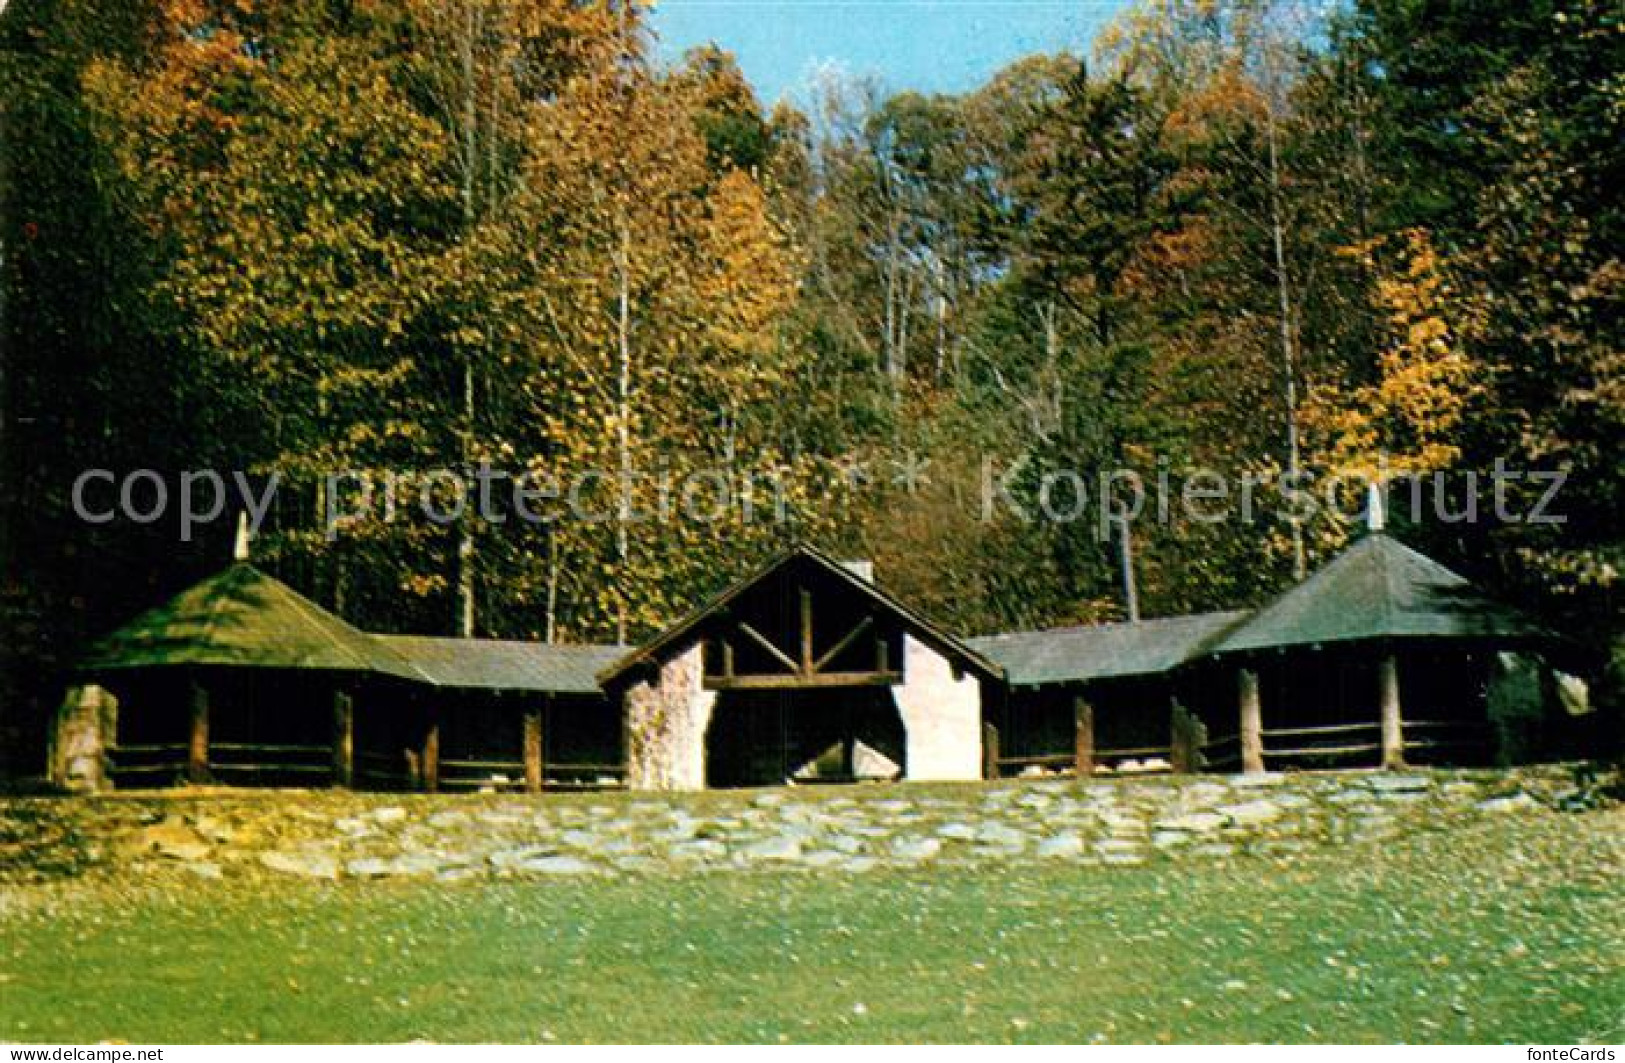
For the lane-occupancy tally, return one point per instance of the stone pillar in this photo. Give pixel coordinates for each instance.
(1393, 728)
(197, 746)
(343, 739)
(85, 725)
(1083, 745)
(942, 716)
(666, 720)
(1187, 736)
(532, 736)
(1252, 723)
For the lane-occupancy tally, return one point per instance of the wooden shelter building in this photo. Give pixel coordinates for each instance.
(807, 671)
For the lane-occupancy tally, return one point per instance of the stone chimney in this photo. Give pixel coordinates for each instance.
(864, 570)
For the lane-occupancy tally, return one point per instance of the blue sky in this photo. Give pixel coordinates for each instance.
(926, 45)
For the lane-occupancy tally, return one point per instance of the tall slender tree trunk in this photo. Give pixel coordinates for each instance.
(1288, 337)
(551, 628)
(463, 618)
(942, 319)
(623, 418)
(1125, 554)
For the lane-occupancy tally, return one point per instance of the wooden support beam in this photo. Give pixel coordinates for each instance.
(990, 751)
(806, 632)
(343, 739)
(1393, 727)
(430, 766)
(846, 640)
(1252, 723)
(197, 746)
(728, 658)
(882, 650)
(532, 739)
(815, 681)
(1083, 743)
(767, 644)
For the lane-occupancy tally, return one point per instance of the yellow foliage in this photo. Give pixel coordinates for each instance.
(1408, 418)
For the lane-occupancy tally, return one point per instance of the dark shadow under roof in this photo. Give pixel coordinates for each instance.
(1104, 651)
(1379, 588)
(493, 664)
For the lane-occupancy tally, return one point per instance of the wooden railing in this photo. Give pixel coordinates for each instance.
(1333, 742)
(389, 770)
(584, 776)
(481, 774)
(1222, 752)
(1067, 762)
(149, 764)
(1426, 736)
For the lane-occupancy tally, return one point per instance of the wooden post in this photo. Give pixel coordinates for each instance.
(1393, 727)
(197, 749)
(533, 749)
(1083, 743)
(343, 739)
(1252, 724)
(990, 751)
(806, 632)
(1184, 746)
(431, 755)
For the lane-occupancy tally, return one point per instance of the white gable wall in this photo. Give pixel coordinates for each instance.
(942, 716)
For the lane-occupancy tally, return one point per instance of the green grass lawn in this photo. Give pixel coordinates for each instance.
(1505, 932)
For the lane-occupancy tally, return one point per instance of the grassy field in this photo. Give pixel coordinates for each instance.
(1507, 932)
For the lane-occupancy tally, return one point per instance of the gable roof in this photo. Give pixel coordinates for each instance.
(242, 618)
(494, 664)
(1376, 589)
(1104, 651)
(938, 639)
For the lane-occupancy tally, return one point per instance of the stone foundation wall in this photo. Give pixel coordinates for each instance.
(1261, 821)
(942, 716)
(666, 721)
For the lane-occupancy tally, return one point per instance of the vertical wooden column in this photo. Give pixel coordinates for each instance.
(533, 749)
(1393, 727)
(1186, 739)
(197, 747)
(431, 754)
(1252, 723)
(1083, 741)
(343, 739)
(990, 751)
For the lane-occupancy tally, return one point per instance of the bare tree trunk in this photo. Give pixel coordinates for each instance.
(623, 419)
(1131, 590)
(463, 603)
(894, 359)
(1288, 337)
(550, 631)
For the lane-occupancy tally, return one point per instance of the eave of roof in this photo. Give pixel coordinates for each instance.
(1105, 651)
(504, 665)
(938, 639)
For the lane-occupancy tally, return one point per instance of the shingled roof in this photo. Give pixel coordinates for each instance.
(492, 664)
(242, 618)
(1379, 588)
(1104, 651)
